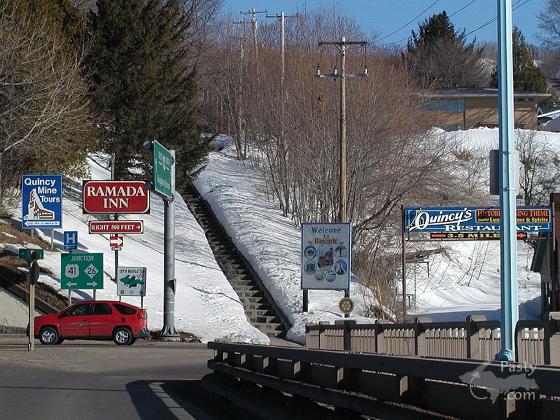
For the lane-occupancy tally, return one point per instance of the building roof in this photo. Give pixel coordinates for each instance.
(477, 93)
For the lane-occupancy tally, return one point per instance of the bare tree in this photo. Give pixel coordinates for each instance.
(549, 24)
(540, 171)
(44, 116)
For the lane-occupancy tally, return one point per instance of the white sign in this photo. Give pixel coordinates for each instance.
(131, 281)
(326, 254)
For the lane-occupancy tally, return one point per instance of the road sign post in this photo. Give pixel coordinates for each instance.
(81, 271)
(164, 186)
(32, 277)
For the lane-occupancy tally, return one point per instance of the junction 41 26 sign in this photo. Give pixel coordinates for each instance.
(110, 197)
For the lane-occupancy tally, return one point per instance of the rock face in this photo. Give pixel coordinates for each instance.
(13, 316)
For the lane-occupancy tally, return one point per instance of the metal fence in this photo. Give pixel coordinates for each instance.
(538, 341)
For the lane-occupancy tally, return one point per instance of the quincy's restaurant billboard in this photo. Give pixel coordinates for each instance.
(469, 219)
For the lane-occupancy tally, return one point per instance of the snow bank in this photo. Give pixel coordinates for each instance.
(270, 242)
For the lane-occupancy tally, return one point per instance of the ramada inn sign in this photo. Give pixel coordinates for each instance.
(110, 197)
(465, 219)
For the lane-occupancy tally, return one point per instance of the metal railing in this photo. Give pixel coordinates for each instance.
(538, 341)
(401, 386)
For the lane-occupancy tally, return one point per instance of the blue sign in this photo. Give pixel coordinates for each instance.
(70, 239)
(465, 219)
(42, 201)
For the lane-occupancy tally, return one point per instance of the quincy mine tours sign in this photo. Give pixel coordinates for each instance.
(120, 197)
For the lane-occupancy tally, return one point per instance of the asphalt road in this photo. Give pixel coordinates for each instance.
(99, 380)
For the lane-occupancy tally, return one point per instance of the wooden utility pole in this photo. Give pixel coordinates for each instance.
(253, 14)
(282, 145)
(342, 47)
(239, 125)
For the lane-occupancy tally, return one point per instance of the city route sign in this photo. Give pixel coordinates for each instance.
(28, 253)
(81, 271)
(115, 197)
(131, 281)
(164, 170)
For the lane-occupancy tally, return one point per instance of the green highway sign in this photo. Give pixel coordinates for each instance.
(81, 271)
(164, 170)
(26, 253)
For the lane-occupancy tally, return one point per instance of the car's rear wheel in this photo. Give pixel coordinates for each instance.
(122, 336)
(48, 336)
(132, 341)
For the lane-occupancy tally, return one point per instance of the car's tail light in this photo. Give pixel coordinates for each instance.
(143, 314)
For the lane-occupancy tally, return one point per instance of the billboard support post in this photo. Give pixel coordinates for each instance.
(305, 300)
(403, 263)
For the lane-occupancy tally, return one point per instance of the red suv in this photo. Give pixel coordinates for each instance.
(99, 320)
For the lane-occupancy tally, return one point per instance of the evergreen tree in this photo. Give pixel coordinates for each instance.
(527, 77)
(439, 55)
(143, 85)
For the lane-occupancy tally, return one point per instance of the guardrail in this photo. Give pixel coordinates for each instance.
(538, 341)
(398, 386)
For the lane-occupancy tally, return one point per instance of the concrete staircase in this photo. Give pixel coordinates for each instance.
(260, 309)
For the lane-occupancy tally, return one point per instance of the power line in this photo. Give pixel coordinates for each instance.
(515, 7)
(412, 20)
(462, 8)
(404, 39)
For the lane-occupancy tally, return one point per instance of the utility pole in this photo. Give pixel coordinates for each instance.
(239, 122)
(508, 211)
(253, 14)
(282, 146)
(342, 47)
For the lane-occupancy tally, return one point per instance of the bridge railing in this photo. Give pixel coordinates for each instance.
(386, 386)
(538, 341)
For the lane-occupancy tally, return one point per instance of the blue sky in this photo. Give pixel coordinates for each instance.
(387, 16)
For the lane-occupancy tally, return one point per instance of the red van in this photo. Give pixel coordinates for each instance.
(99, 320)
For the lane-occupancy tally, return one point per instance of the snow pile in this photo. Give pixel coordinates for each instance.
(270, 242)
(205, 305)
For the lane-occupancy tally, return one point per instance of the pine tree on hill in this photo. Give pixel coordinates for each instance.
(527, 77)
(143, 83)
(439, 55)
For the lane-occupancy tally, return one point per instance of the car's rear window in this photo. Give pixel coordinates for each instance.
(125, 310)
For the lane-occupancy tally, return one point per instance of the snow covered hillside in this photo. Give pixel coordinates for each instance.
(465, 279)
(206, 304)
(269, 241)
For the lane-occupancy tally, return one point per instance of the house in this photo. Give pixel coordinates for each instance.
(547, 118)
(464, 108)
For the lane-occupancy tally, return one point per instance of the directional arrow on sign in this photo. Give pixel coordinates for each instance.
(92, 283)
(116, 241)
(71, 284)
